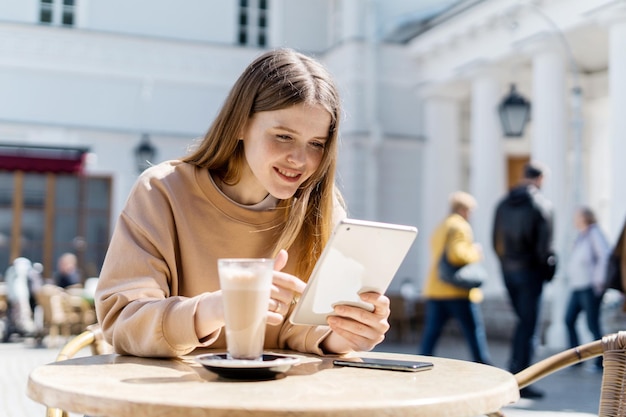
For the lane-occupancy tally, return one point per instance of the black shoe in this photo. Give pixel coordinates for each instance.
(529, 392)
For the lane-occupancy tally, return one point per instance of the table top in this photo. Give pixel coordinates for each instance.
(127, 386)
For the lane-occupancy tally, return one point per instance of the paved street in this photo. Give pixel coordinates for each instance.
(16, 362)
(572, 392)
(569, 393)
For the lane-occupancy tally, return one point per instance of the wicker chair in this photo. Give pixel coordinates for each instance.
(613, 350)
(91, 337)
(64, 314)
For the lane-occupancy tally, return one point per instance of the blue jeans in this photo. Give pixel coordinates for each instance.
(524, 290)
(467, 314)
(583, 300)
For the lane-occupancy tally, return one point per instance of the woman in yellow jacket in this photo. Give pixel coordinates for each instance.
(445, 301)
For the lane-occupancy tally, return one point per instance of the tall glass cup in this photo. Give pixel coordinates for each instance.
(246, 285)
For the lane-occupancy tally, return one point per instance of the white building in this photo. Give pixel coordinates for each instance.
(550, 49)
(420, 81)
(98, 76)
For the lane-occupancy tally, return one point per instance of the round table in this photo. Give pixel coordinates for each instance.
(127, 386)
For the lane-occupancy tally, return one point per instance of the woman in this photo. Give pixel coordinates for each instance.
(586, 272)
(260, 183)
(445, 301)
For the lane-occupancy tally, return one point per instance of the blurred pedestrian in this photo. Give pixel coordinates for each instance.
(522, 240)
(586, 276)
(35, 282)
(445, 301)
(18, 297)
(67, 274)
(616, 265)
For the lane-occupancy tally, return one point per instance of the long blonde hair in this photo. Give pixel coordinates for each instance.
(276, 80)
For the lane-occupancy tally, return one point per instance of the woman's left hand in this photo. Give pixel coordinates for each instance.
(356, 329)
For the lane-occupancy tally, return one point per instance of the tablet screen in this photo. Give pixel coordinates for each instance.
(360, 256)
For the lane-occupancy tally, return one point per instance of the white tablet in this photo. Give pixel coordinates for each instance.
(360, 256)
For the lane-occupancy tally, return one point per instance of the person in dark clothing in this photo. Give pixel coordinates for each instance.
(522, 240)
(67, 273)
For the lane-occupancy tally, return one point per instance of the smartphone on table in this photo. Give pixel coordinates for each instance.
(387, 364)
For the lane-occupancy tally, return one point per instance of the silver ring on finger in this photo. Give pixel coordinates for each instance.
(278, 305)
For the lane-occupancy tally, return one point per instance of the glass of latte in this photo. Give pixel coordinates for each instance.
(246, 285)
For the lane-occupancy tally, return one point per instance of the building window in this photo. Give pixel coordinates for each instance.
(43, 215)
(68, 13)
(46, 11)
(253, 22)
(57, 12)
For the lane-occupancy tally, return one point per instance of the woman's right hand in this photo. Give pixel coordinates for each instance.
(285, 287)
(209, 315)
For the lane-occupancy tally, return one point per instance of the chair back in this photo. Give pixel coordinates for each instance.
(92, 337)
(612, 347)
(613, 394)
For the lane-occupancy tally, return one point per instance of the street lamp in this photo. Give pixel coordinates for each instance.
(514, 111)
(144, 153)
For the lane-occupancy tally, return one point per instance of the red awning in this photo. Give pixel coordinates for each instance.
(42, 158)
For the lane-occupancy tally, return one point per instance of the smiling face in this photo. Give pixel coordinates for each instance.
(283, 148)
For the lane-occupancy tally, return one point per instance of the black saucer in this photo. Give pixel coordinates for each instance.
(268, 368)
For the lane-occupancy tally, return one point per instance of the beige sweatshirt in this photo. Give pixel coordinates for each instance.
(163, 256)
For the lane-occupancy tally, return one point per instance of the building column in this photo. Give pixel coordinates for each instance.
(617, 129)
(487, 163)
(549, 146)
(352, 17)
(276, 28)
(549, 132)
(441, 163)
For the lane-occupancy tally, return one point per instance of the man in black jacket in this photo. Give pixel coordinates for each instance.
(522, 240)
